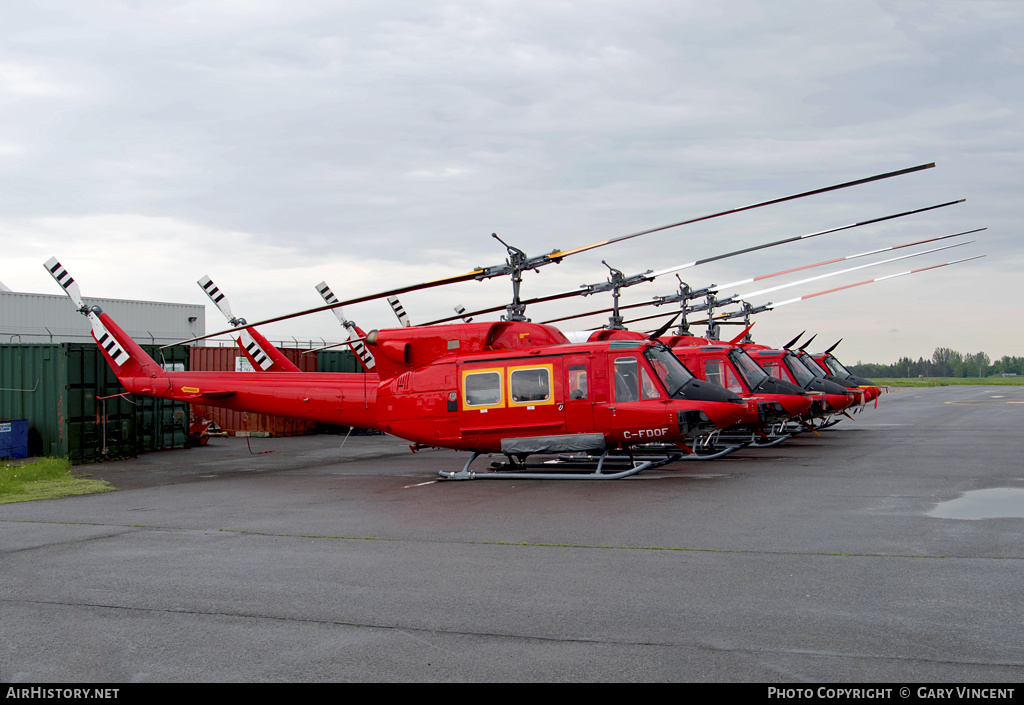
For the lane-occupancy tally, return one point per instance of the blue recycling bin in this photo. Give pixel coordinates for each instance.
(14, 438)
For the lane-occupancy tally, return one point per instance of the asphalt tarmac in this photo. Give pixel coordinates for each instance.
(825, 559)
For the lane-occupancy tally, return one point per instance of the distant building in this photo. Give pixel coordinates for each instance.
(52, 318)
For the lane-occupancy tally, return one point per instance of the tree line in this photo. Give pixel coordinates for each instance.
(945, 362)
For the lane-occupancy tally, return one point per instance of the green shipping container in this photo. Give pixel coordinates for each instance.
(74, 408)
(337, 361)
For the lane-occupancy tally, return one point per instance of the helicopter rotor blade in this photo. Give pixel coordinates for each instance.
(716, 288)
(773, 201)
(847, 286)
(805, 237)
(849, 269)
(872, 281)
(649, 276)
(357, 346)
(841, 259)
(350, 341)
(660, 314)
(555, 256)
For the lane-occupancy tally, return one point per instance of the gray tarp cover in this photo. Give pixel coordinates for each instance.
(553, 444)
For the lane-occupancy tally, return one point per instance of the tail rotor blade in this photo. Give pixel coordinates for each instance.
(66, 281)
(217, 297)
(330, 299)
(99, 331)
(461, 311)
(399, 310)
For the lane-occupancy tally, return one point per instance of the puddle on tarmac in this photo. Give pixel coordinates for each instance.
(995, 503)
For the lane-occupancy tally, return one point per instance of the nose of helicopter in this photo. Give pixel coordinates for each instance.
(795, 404)
(838, 402)
(712, 415)
(870, 393)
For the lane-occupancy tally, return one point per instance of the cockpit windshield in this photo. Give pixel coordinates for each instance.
(672, 373)
(752, 372)
(811, 365)
(837, 367)
(800, 372)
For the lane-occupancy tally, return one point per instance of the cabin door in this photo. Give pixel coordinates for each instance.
(579, 394)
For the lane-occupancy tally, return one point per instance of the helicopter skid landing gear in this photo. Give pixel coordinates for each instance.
(607, 466)
(713, 452)
(771, 441)
(715, 445)
(774, 436)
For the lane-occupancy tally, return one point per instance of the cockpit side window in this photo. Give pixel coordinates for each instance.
(627, 379)
(577, 382)
(713, 372)
(648, 390)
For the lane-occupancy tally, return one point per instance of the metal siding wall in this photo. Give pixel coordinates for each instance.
(66, 413)
(162, 423)
(337, 361)
(25, 318)
(33, 386)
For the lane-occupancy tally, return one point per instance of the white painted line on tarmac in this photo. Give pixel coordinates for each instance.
(429, 482)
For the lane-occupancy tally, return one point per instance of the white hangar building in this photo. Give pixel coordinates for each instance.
(52, 318)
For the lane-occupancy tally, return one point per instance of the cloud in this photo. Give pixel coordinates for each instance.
(384, 143)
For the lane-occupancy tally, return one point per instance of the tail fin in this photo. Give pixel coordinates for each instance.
(262, 355)
(123, 354)
(361, 353)
(257, 349)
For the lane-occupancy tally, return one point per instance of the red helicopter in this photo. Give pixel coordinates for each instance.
(512, 386)
(779, 399)
(831, 365)
(509, 387)
(824, 365)
(256, 349)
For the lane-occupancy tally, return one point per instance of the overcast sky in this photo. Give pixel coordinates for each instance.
(274, 144)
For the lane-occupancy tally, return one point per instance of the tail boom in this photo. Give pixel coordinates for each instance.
(347, 399)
